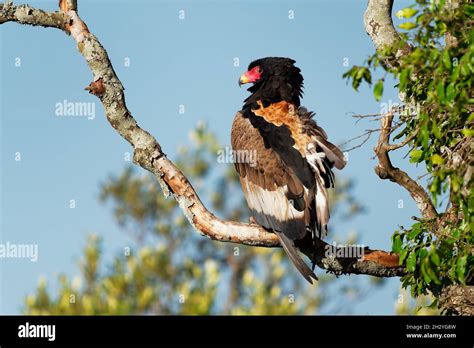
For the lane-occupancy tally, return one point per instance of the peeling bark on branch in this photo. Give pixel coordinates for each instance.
(378, 23)
(68, 5)
(458, 300)
(25, 14)
(379, 26)
(148, 154)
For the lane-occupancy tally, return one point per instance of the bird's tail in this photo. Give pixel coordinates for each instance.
(294, 256)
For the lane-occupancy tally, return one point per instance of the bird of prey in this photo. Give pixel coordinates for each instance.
(286, 184)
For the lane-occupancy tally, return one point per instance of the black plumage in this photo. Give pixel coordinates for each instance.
(281, 80)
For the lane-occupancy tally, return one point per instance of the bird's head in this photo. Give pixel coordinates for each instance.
(274, 79)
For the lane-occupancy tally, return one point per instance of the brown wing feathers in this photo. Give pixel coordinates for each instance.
(275, 195)
(282, 191)
(286, 189)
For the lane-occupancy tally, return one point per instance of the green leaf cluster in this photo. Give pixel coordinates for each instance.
(434, 65)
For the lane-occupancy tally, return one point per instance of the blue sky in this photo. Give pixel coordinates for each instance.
(173, 62)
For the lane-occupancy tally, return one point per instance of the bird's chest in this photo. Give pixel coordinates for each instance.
(285, 114)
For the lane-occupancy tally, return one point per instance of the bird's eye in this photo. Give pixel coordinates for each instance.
(259, 70)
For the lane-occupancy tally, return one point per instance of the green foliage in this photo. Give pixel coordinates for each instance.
(378, 90)
(406, 12)
(435, 78)
(422, 305)
(171, 269)
(358, 74)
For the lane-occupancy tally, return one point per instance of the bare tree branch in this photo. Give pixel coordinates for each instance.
(68, 5)
(25, 14)
(379, 25)
(402, 143)
(148, 154)
(385, 170)
(366, 134)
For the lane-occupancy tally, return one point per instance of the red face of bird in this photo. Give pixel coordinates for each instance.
(251, 76)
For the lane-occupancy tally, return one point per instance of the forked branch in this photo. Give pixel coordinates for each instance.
(385, 170)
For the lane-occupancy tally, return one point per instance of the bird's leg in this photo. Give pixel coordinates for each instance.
(252, 220)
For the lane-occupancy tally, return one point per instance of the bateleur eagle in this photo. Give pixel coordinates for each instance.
(286, 185)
